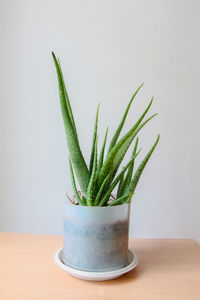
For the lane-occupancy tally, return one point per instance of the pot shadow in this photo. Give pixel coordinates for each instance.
(123, 279)
(153, 255)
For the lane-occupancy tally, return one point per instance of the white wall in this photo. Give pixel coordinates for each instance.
(107, 48)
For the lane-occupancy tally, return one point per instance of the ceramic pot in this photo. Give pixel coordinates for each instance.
(96, 238)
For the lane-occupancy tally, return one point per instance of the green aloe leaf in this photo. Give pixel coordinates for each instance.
(101, 156)
(76, 155)
(84, 202)
(113, 185)
(120, 184)
(118, 131)
(100, 162)
(94, 140)
(120, 155)
(91, 184)
(108, 164)
(67, 100)
(128, 177)
(100, 191)
(140, 169)
(119, 201)
(74, 183)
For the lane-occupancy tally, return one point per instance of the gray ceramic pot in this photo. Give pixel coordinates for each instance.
(96, 238)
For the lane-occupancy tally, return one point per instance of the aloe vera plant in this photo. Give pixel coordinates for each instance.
(98, 180)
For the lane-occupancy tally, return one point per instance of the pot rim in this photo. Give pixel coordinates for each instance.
(67, 202)
(70, 193)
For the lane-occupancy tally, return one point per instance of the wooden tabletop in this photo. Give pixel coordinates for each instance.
(168, 269)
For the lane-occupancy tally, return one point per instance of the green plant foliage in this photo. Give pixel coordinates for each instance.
(78, 198)
(75, 153)
(101, 156)
(91, 185)
(113, 184)
(94, 140)
(108, 164)
(100, 191)
(140, 169)
(67, 100)
(98, 181)
(118, 131)
(124, 186)
(118, 201)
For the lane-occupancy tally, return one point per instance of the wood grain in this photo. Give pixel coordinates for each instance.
(168, 269)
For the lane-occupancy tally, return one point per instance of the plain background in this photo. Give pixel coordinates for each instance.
(107, 49)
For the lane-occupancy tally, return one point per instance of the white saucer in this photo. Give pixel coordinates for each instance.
(97, 276)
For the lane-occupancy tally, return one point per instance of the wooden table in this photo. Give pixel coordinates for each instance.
(168, 269)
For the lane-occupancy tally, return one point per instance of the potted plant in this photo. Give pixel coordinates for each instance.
(96, 221)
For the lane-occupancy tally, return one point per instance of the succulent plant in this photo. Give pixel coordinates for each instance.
(98, 180)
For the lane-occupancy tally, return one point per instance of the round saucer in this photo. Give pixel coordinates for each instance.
(97, 276)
